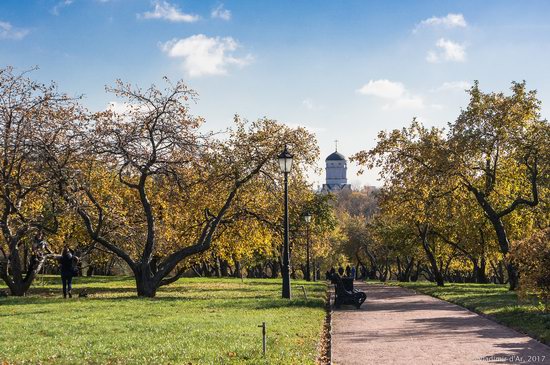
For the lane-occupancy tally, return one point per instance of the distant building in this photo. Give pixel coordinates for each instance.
(336, 173)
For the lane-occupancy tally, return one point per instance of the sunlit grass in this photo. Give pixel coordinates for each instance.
(197, 321)
(493, 300)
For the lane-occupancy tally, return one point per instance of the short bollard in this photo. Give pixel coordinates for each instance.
(263, 337)
(303, 290)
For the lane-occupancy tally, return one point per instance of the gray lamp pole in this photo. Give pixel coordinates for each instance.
(307, 218)
(285, 163)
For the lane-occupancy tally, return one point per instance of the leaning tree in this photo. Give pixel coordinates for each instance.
(154, 189)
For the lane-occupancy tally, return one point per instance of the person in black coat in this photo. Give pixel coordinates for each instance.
(68, 263)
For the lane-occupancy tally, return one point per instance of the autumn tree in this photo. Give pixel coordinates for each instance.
(498, 148)
(36, 124)
(155, 190)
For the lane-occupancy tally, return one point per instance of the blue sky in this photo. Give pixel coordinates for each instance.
(344, 69)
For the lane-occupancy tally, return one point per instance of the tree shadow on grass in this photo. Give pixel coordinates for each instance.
(13, 314)
(260, 301)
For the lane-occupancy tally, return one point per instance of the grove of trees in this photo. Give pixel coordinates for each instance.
(148, 185)
(456, 201)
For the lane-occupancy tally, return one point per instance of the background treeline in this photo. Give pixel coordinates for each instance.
(146, 189)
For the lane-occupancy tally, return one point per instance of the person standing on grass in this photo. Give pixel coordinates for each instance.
(68, 262)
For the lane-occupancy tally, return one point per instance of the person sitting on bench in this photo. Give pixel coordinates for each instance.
(344, 296)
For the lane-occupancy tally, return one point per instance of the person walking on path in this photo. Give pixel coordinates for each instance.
(68, 262)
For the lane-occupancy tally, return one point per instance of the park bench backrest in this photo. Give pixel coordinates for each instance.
(340, 288)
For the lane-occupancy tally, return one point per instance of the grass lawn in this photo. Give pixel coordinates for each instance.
(193, 321)
(493, 300)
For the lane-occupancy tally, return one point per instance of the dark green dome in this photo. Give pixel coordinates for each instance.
(335, 156)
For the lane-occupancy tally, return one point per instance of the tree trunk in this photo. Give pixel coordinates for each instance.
(238, 270)
(373, 264)
(481, 272)
(275, 270)
(498, 272)
(513, 277)
(431, 257)
(502, 237)
(414, 277)
(504, 248)
(406, 275)
(206, 270)
(90, 271)
(399, 269)
(217, 268)
(146, 285)
(19, 283)
(475, 271)
(224, 268)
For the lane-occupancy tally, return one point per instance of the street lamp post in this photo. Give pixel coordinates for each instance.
(307, 218)
(285, 163)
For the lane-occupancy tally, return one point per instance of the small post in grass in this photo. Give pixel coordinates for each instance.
(263, 337)
(303, 290)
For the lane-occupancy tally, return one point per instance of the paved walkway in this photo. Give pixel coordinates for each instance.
(397, 326)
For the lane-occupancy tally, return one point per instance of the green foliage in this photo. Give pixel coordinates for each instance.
(206, 321)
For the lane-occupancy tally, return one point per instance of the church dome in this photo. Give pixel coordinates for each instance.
(335, 156)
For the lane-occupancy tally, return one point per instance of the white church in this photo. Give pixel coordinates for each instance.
(336, 173)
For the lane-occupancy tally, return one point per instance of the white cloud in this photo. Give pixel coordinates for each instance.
(60, 5)
(394, 92)
(205, 56)
(405, 102)
(7, 31)
(454, 85)
(170, 12)
(448, 21)
(383, 88)
(310, 104)
(448, 51)
(221, 13)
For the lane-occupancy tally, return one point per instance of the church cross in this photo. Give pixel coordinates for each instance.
(336, 143)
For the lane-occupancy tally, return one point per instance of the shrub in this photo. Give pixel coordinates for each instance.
(533, 258)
